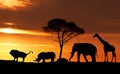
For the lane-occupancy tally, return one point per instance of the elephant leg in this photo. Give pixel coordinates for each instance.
(38, 60)
(17, 59)
(93, 58)
(52, 59)
(71, 57)
(14, 59)
(43, 60)
(112, 58)
(78, 57)
(85, 57)
(23, 59)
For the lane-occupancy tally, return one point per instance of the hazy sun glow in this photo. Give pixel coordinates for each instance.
(8, 30)
(18, 31)
(9, 23)
(14, 4)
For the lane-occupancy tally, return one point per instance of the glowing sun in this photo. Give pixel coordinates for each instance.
(7, 30)
(14, 4)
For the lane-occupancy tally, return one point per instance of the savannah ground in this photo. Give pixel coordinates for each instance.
(58, 67)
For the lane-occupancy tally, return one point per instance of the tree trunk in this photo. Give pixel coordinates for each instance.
(61, 48)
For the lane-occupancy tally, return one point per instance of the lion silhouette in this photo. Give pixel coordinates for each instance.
(19, 54)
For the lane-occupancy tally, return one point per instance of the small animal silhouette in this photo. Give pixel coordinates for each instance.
(85, 49)
(16, 54)
(45, 55)
(62, 60)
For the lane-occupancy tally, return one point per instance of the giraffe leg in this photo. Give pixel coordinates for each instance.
(105, 56)
(113, 56)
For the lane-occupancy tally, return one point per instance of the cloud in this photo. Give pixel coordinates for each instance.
(11, 44)
(36, 45)
(15, 4)
(19, 31)
(92, 15)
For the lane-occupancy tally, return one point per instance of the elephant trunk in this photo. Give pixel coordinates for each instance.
(72, 54)
(73, 51)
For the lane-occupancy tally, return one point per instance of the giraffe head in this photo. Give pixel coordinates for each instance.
(95, 35)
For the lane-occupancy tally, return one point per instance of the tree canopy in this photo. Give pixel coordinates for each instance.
(64, 30)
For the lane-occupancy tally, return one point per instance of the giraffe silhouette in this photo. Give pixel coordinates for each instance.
(107, 48)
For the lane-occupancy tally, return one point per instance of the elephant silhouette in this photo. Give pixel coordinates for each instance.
(44, 56)
(85, 49)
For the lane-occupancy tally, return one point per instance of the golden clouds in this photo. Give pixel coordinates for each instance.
(14, 4)
(9, 23)
(19, 31)
(8, 30)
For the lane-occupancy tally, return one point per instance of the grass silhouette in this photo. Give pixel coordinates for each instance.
(10, 64)
(57, 68)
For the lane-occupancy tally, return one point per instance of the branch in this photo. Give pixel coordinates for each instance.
(69, 38)
(69, 35)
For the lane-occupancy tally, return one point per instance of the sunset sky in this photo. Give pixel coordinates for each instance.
(21, 23)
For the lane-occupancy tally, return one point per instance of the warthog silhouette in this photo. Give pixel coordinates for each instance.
(45, 55)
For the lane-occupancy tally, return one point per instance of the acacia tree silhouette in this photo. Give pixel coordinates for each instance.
(64, 31)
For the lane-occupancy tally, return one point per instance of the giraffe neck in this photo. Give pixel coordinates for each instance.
(101, 40)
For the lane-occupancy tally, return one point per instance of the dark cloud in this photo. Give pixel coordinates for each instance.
(92, 15)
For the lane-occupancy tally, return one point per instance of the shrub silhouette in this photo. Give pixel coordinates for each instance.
(62, 60)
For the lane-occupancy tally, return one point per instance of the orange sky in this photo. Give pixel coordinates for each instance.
(21, 23)
(38, 44)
